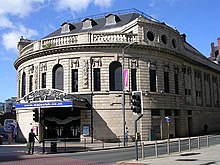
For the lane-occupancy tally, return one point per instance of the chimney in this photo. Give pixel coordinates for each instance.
(218, 44)
(183, 37)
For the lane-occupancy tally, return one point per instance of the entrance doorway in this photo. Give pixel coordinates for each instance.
(61, 123)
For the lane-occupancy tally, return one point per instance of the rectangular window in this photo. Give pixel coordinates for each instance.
(155, 112)
(133, 80)
(189, 112)
(176, 81)
(97, 79)
(153, 81)
(74, 80)
(31, 83)
(166, 82)
(176, 112)
(168, 112)
(43, 80)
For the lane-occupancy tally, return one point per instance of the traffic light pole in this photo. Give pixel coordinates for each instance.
(123, 90)
(135, 130)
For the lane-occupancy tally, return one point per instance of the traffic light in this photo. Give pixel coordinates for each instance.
(36, 115)
(136, 102)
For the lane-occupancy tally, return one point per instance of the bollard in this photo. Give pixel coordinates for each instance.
(198, 143)
(142, 147)
(103, 143)
(179, 142)
(85, 143)
(207, 140)
(43, 146)
(156, 151)
(119, 141)
(189, 144)
(168, 146)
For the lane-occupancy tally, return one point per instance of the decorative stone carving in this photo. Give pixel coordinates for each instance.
(74, 63)
(176, 69)
(96, 62)
(152, 65)
(36, 78)
(43, 67)
(48, 94)
(133, 64)
(166, 67)
(85, 74)
(31, 69)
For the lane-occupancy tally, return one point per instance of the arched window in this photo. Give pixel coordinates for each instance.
(115, 76)
(23, 83)
(58, 77)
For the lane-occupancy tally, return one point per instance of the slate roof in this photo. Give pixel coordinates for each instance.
(101, 25)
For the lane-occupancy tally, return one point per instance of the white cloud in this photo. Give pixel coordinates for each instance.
(10, 39)
(73, 5)
(79, 5)
(103, 3)
(19, 7)
(154, 3)
(5, 22)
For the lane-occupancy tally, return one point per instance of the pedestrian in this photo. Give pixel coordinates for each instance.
(10, 139)
(126, 135)
(205, 129)
(31, 140)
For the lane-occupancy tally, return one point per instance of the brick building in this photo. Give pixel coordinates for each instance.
(83, 59)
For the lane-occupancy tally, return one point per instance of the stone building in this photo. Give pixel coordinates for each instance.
(84, 59)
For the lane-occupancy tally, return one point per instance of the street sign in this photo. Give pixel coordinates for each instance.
(167, 118)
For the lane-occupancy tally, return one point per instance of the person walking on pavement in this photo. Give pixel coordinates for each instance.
(31, 140)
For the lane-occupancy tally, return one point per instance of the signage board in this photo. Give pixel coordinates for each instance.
(44, 104)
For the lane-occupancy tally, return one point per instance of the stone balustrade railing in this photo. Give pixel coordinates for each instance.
(84, 38)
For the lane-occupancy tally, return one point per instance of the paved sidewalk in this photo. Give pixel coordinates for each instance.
(204, 156)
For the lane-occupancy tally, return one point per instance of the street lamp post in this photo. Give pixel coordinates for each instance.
(123, 88)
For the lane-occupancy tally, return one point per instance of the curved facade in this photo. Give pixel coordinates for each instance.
(86, 58)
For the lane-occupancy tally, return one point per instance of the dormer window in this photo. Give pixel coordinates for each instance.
(88, 23)
(112, 19)
(67, 27)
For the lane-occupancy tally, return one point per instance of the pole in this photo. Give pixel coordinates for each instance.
(135, 127)
(168, 139)
(123, 90)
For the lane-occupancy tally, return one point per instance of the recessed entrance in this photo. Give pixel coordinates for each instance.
(61, 123)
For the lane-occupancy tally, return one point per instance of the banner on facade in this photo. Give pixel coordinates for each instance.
(126, 79)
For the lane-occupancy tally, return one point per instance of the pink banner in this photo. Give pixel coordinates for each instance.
(126, 79)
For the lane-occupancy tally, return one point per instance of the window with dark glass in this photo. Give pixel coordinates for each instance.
(176, 82)
(153, 81)
(58, 77)
(97, 79)
(168, 112)
(115, 76)
(31, 83)
(166, 82)
(23, 85)
(133, 80)
(43, 80)
(150, 35)
(155, 112)
(189, 112)
(176, 112)
(74, 80)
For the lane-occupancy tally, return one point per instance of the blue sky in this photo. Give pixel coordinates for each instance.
(34, 19)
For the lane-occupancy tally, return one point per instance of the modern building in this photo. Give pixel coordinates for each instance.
(10, 104)
(85, 59)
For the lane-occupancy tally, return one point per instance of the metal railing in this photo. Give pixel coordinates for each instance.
(146, 148)
(60, 145)
(169, 146)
